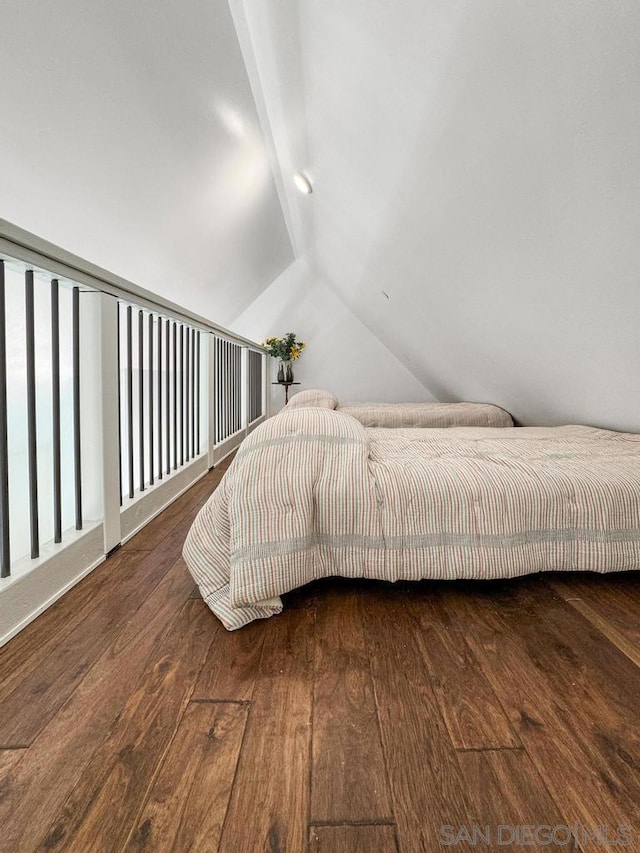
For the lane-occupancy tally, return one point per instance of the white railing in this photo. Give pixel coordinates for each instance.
(112, 402)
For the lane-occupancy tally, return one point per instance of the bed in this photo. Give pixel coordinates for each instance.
(313, 493)
(394, 415)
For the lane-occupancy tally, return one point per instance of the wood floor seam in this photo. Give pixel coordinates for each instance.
(490, 749)
(134, 551)
(235, 771)
(608, 631)
(220, 701)
(310, 762)
(151, 781)
(154, 775)
(379, 728)
(374, 821)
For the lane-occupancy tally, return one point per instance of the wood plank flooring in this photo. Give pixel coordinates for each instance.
(366, 718)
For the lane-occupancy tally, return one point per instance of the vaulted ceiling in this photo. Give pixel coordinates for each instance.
(129, 135)
(475, 164)
(476, 174)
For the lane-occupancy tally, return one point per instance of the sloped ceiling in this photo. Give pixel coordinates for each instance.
(129, 135)
(476, 174)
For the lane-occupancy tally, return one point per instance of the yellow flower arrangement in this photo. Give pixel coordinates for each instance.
(286, 348)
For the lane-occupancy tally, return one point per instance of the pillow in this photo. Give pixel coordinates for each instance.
(313, 397)
(420, 415)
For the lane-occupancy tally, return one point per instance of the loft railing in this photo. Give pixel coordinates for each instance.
(160, 397)
(229, 391)
(39, 393)
(112, 402)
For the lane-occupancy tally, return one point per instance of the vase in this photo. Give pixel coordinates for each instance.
(287, 369)
(280, 377)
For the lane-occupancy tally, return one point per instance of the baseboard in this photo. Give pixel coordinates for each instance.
(35, 586)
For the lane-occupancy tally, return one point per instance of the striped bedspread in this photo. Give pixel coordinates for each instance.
(313, 493)
(398, 415)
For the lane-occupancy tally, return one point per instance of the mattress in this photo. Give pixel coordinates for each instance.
(313, 493)
(398, 415)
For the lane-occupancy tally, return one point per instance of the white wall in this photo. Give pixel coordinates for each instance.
(129, 136)
(479, 163)
(341, 356)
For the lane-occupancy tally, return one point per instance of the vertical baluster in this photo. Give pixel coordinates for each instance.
(234, 381)
(130, 396)
(175, 396)
(159, 369)
(250, 384)
(237, 382)
(187, 418)
(151, 435)
(254, 386)
(223, 408)
(141, 397)
(192, 412)
(257, 361)
(77, 448)
(217, 372)
(187, 392)
(5, 551)
(250, 387)
(227, 401)
(234, 401)
(31, 416)
(236, 388)
(218, 392)
(181, 394)
(193, 393)
(119, 405)
(223, 411)
(192, 401)
(198, 336)
(240, 389)
(167, 398)
(55, 414)
(231, 389)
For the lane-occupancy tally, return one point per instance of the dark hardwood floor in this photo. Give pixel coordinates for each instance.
(366, 718)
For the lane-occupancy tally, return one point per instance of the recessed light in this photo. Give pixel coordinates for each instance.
(303, 183)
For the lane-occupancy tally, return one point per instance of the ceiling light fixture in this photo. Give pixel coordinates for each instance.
(303, 183)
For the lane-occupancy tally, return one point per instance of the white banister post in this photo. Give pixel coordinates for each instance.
(244, 380)
(109, 381)
(266, 388)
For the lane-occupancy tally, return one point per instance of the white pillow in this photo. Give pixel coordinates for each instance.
(313, 397)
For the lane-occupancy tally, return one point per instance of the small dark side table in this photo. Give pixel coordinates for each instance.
(286, 386)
